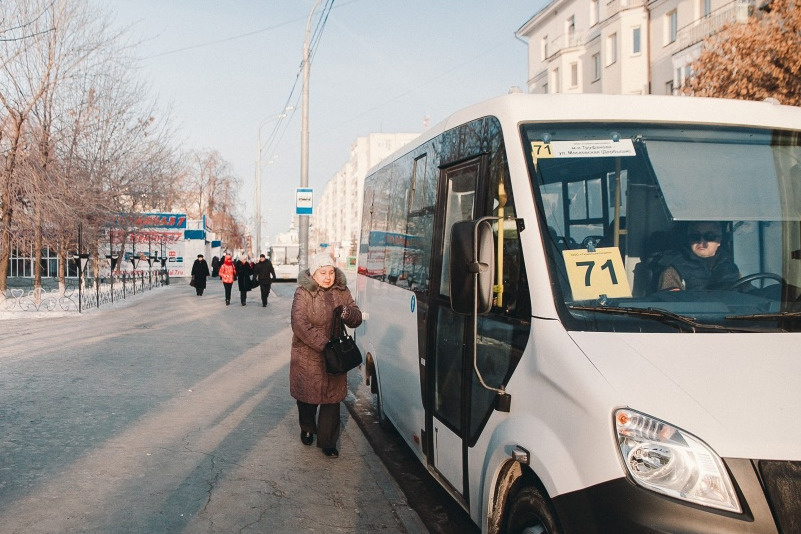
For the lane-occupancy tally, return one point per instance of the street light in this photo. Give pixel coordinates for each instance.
(259, 148)
(156, 260)
(149, 257)
(113, 257)
(303, 230)
(81, 259)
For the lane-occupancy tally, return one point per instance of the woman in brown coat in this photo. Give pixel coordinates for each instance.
(320, 289)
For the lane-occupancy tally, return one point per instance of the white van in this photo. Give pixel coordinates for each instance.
(594, 326)
(285, 261)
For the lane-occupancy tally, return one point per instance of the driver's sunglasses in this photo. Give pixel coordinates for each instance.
(697, 237)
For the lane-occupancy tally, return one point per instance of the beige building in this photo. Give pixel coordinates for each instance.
(621, 46)
(337, 216)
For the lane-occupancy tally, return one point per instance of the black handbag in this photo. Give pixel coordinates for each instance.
(341, 352)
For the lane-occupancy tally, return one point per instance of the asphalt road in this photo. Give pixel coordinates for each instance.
(154, 415)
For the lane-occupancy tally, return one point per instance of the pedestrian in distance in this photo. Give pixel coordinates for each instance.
(244, 274)
(264, 273)
(200, 272)
(227, 275)
(320, 289)
(215, 266)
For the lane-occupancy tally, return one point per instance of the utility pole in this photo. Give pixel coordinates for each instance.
(303, 230)
(257, 201)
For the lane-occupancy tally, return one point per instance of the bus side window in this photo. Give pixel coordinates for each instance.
(511, 295)
(420, 223)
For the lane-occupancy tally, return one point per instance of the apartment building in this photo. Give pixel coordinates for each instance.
(621, 46)
(336, 222)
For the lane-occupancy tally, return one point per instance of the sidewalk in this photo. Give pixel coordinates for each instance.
(172, 414)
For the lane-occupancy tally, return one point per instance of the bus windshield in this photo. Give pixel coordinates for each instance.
(670, 227)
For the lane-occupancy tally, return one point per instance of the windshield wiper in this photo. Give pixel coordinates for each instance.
(688, 324)
(765, 316)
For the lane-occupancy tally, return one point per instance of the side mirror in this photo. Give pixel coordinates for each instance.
(471, 254)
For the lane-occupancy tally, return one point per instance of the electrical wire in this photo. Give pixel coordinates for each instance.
(277, 134)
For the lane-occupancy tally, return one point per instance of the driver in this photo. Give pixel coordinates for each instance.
(700, 263)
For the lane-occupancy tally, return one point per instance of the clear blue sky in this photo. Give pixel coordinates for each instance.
(223, 68)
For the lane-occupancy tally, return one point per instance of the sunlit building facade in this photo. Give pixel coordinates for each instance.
(621, 46)
(336, 221)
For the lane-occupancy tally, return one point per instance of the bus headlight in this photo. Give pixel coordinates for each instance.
(667, 460)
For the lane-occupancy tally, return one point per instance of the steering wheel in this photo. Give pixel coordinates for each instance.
(565, 243)
(742, 282)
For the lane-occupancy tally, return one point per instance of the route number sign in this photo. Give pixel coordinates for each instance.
(592, 274)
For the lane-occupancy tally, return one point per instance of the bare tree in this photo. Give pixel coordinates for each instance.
(754, 60)
(208, 187)
(80, 142)
(80, 45)
(27, 44)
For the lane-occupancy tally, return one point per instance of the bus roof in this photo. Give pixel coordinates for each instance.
(519, 108)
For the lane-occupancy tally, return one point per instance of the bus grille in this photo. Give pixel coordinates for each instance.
(783, 486)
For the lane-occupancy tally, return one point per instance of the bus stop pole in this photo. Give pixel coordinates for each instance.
(303, 229)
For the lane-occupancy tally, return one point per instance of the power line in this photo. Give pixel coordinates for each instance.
(240, 35)
(277, 134)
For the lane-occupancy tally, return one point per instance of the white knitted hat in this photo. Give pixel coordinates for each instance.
(321, 259)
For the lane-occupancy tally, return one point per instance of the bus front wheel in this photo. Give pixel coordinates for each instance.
(383, 421)
(529, 513)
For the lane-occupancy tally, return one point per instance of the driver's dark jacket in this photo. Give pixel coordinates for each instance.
(717, 272)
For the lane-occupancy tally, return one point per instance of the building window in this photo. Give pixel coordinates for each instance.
(557, 85)
(596, 67)
(570, 30)
(574, 75)
(706, 8)
(544, 47)
(611, 49)
(636, 41)
(672, 26)
(595, 12)
(545, 88)
(669, 88)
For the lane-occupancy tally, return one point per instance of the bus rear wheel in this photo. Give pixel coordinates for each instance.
(529, 512)
(383, 421)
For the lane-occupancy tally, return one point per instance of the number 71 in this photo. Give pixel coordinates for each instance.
(607, 265)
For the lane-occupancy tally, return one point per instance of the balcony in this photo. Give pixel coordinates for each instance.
(698, 30)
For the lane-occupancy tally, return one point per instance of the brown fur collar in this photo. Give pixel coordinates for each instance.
(306, 281)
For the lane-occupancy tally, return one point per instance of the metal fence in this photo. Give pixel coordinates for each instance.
(75, 296)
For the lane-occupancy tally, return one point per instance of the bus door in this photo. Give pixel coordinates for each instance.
(450, 339)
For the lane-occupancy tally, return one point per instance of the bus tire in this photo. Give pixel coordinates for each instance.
(383, 420)
(529, 512)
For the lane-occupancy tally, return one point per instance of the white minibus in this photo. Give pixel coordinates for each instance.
(582, 312)
(285, 261)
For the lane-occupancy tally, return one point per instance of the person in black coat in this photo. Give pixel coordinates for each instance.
(701, 263)
(265, 275)
(244, 273)
(200, 271)
(215, 266)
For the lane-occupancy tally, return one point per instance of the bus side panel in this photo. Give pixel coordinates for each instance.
(392, 328)
(560, 405)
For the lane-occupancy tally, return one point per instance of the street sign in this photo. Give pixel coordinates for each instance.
(304, 200)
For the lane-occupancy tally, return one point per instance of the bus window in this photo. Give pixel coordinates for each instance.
(460, 200)
(635, 206)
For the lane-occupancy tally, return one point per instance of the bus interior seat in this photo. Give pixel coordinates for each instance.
(562, 242)
(646, 273)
